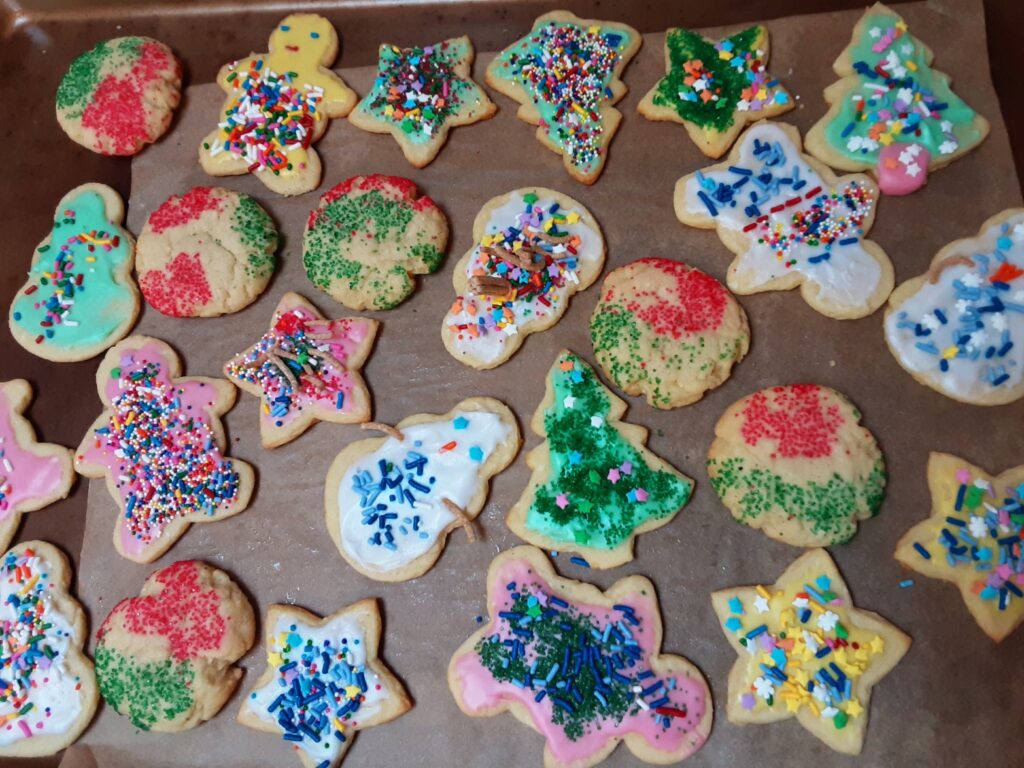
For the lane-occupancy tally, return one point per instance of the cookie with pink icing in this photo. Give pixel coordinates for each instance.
(160, 445)
(583, 667)
(32, 474)
(305, 368)
(208, 252)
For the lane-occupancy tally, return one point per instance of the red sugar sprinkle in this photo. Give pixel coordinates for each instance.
(179, 289)
(700, 306)
(796, 418)
(176, 211)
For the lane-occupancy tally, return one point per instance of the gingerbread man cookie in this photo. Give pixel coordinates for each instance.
(791, 223)
(715, 88)
(305, 369)
(278, 105)
(80, 296)
(48, 692)
(32, 474)
(159, 444)
(583, 667)
(566, 75)
(336, 659)
(422, 93)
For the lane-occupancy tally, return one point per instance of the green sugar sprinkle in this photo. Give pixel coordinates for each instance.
(147, 692)
(256, 230)
(84, 75)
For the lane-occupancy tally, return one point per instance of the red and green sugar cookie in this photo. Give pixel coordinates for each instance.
(119, 96)
(208, 252)
(668, 331)
(795, 462)
(165, 659)
(369, 236)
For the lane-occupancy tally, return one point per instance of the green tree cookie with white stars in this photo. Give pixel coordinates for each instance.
(715, 88)
(595, 486)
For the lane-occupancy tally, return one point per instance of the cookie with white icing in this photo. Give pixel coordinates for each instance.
(33, 475)
(791, 223)
(49, 691)
(959, 328)
(391, 503)
(160, 446)
(534, 249)
(335, 658)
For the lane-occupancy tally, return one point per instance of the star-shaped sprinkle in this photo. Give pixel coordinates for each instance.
(761, 604)
(305, 368)
(614, 475)
(974, 540)
(575, 457)
(562, 501)
(808, 672)
(569, 401)
(420, 93)
(658, 704)
(715, 88)
(336, 656)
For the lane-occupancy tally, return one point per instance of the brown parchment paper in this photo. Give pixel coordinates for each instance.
(956, 697)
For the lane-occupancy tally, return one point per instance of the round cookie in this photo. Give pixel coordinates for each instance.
(668, 331)
(367, 238)
(208, 252)
(165, 659)
(794, 462)
(119, 96)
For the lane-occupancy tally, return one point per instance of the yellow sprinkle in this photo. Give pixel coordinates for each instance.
(853, 708)
(763, 592)
(28, 585)
(572, 217)
(724, 55)
(90, 259)
(950, 352)
(901, 25)
(793, 705)
(352, 691)
(274, 659)
(877, 645)
(579, 109)
(911, 65)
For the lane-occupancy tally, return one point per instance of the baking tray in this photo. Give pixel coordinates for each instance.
(702, 550)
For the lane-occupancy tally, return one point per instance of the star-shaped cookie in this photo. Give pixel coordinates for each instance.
(974, 540)
(32, 474)
(305, 368)
(715, 88)
(420, 94)
(583, 667)
(806, 651)
(324, 681)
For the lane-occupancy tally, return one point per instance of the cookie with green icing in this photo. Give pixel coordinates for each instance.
(208, 252)
(666, 330)
(120, 95)
(369, 237)
(595, 485)
(795, 462)
(891, 113)
(165, 659)
(420, 93)
(715, 88)
(566, 75)
(80, 297)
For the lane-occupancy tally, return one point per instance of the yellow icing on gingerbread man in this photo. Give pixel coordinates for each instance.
(278, 104)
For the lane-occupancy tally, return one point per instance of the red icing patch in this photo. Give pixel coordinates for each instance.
(176, 211)
(180, 289)
(796, 418)
(700, 307)
(183, 612)
(117, 111)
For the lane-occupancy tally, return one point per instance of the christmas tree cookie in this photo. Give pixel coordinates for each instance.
(791, 223)
(595, 486)
(306, 368)
(334, 659)
(369, 237)
(391, 502)
(583, 667)
(422, 93)
(49, 691)
(566, 75)
(806, 651)
(278, 104)
(715, 88)
(159, 444)
(974, 539)
(80, 296)
(795, 462)
(33, 475)
(959, 328)
(535, 249)
(891, 113)
(668, 331)
(120, 95)
(165, 659)
(205, 253)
